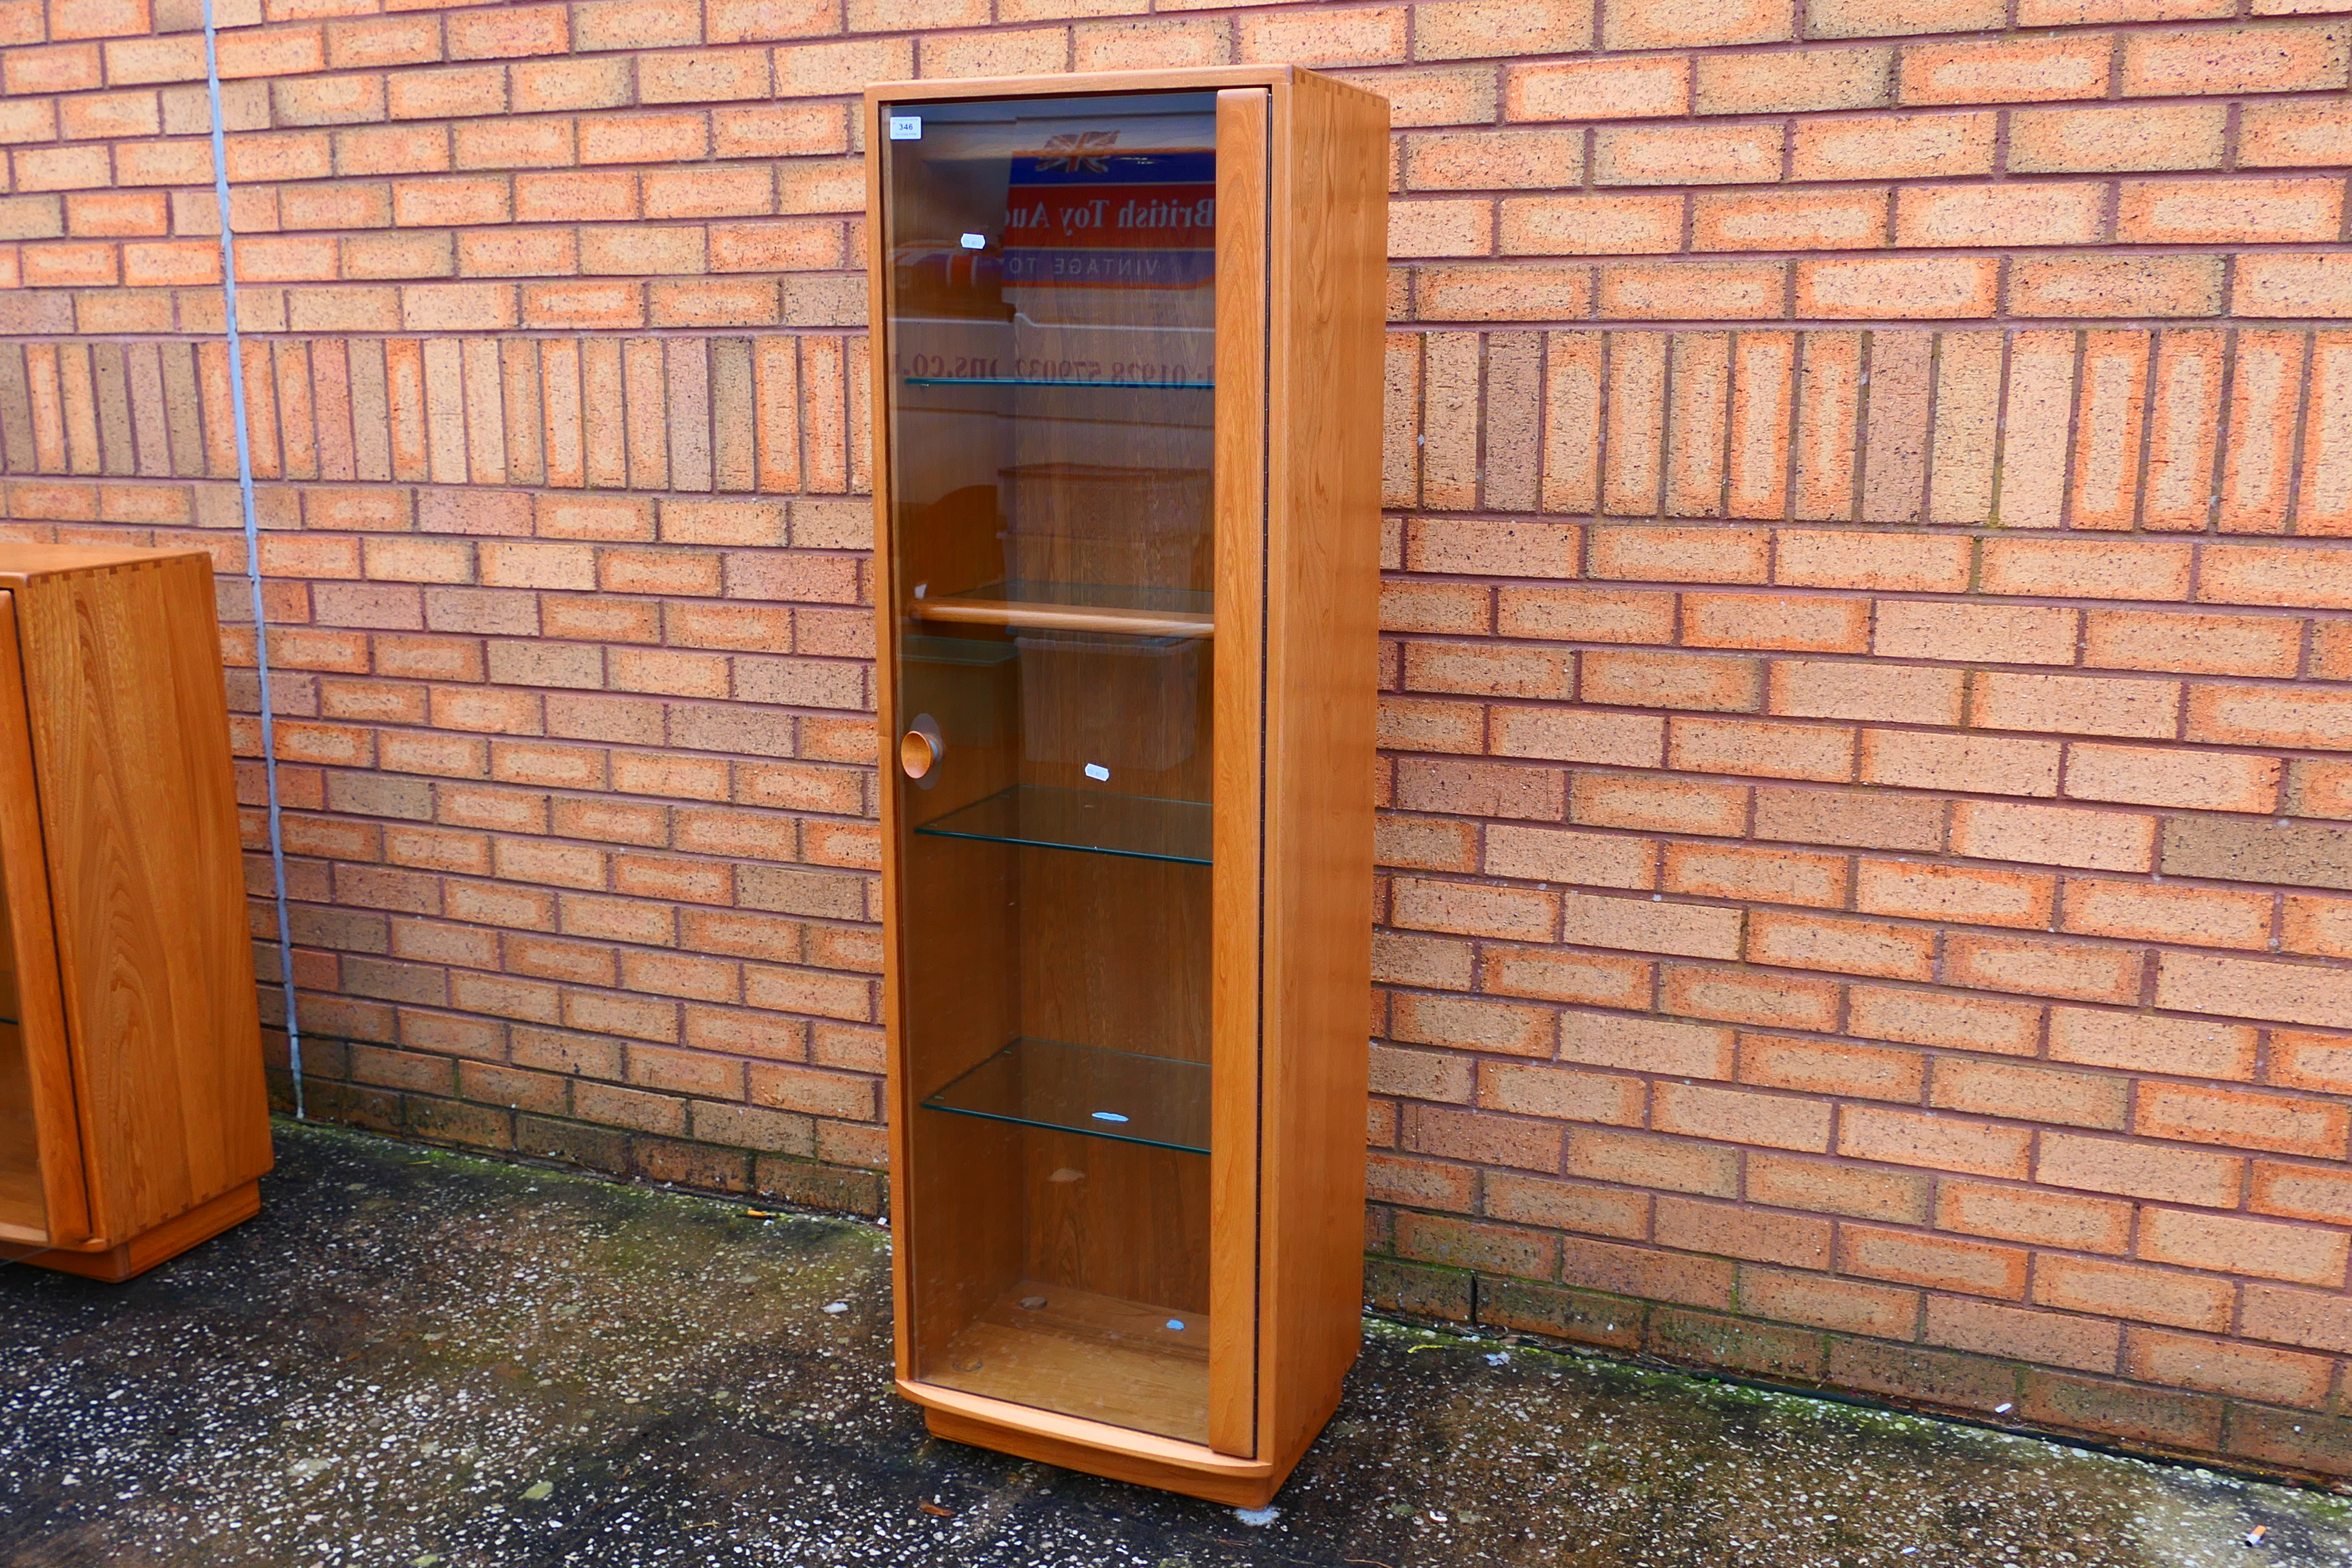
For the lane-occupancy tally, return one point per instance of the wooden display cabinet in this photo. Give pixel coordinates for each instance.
(1128, 385)
(134, 1118)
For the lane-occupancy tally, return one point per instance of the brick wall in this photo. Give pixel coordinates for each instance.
(1869, 711)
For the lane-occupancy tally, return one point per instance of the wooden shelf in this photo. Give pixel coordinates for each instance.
(1066, 617)
(1090, 1355)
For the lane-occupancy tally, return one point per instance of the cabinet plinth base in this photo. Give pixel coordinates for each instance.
(1238, 1483)
(167, 1240)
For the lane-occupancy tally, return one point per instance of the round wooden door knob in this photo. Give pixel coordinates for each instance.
(921, 747)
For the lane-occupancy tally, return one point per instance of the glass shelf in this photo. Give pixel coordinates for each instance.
(1118, 1095)
(1076, 606)
(1095, 821)
(1049, 381)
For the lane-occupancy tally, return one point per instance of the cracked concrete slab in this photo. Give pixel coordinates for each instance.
(420, 1358)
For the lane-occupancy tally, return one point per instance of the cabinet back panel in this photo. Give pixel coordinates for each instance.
(129, 724)
(23, 1205)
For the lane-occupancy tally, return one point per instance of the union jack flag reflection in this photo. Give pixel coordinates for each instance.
(1079, 153)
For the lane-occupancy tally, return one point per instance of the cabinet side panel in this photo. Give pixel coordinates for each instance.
(39, 1006)
(130, 721)
(1323, 568)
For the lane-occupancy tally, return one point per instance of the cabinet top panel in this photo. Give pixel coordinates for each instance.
(1198, 80)
(20, 564)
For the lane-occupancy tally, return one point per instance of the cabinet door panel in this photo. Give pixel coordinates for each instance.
(41, 1194)
(129, 724)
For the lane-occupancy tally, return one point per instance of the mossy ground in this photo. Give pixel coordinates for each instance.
(419, 1358)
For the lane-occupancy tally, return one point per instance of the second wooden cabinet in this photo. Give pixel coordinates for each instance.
(1127, 388)
(133, 1120)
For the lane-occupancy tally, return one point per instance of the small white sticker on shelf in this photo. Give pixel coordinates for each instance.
(976, 242)
(906, 128)
(1098, 773)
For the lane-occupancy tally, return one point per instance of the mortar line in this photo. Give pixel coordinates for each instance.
(252, 554)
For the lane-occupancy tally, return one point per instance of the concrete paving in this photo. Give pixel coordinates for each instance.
(414, 1358)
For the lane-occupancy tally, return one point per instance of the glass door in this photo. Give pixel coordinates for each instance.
(1051, 321)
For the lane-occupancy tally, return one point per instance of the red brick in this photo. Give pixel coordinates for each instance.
(1647, 1275)
(1901, 562)
(2139, 1170)
(1730, 1231)
(2129, 1290)
(1680, 290)
(1971, 1268)
(1846, 946)
(2206, 917)
(2189, 1047)
(1585, 615)
(2080, 970)
(1642, 1159)
(2241, 1120)
(2055, 836)
(1658, 804)
(1867, 1072)
(2229, 212)
(2305, 1255)
(1782, 81)
(2016, 1332)
(2288, 992)
(2139, 136)
(1738, 1116)
(1891, 146)
(2031, 1093)
(1555, 1095)
(1844, 1305)
(1693, 23)
(1915, 288)
(1595, 89)
(1578, 225)
(2034, 71)
(2258, 58)
(1597, 979)
(2135, 1414)
(1566, 1205)
(2276, 1377)
(2028, 1214)
(1849, 690)
(1981, 764)
(1467, 1023)
(2013, 214)
(1489, 1249)
(1769, 876)
(1643, 1045)
(1810, 623)
(1979, 896)
(1820, 1185)
(1619, 740)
